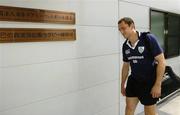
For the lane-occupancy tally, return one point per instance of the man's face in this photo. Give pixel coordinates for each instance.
(125, 29)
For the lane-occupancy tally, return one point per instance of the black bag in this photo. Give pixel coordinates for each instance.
(171, 82)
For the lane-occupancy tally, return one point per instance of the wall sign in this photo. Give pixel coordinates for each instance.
(8, 13)
(36, 35)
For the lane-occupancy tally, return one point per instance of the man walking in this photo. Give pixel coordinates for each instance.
(141, 53)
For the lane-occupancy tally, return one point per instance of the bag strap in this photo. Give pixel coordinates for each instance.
(147, 43)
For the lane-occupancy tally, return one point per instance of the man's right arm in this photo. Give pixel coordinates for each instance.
(124, 75)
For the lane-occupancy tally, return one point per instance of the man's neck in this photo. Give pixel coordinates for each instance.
(133, 38)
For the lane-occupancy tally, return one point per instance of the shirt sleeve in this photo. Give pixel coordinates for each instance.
(125, 59)
(155, 47)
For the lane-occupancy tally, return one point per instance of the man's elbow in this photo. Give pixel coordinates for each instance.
(162, 63)
(161, 60)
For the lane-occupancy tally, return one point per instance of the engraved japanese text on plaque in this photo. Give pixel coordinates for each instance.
(8, 13)
(36, 35)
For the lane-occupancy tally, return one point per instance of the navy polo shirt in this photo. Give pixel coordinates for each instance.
(142, 66)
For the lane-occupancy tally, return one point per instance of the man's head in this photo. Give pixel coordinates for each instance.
(126, 26)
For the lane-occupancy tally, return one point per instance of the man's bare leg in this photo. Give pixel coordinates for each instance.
(150, 110)
(131, 103)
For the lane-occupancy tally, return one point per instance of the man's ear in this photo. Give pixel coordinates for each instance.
(132, 26)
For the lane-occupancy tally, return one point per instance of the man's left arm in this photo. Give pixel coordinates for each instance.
(156, 89)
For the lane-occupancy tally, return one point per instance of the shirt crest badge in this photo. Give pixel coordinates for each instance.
(127, 51)
(141, 49)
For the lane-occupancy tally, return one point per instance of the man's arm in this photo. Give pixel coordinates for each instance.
(124, 75)
(156, 90)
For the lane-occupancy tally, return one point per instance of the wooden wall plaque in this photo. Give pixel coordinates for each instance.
(36, 35)
(8, 13)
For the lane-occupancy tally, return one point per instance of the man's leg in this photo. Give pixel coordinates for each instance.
(131, 103)
(150, 110)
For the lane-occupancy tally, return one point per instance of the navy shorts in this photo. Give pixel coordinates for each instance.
(142, 90)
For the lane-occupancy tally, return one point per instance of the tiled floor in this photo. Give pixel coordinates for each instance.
(159, 113)
(172, 107)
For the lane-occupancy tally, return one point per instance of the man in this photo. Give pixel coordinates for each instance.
(147, 68)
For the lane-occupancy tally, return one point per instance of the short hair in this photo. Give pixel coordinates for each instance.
(127, 20)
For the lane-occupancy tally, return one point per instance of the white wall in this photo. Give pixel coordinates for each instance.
(66, 77)
(76, 77)
(139, 11)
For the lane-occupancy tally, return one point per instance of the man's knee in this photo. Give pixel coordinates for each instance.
(131, 104)
(130, 107)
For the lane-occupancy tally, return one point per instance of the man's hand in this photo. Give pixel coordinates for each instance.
(156, 91)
